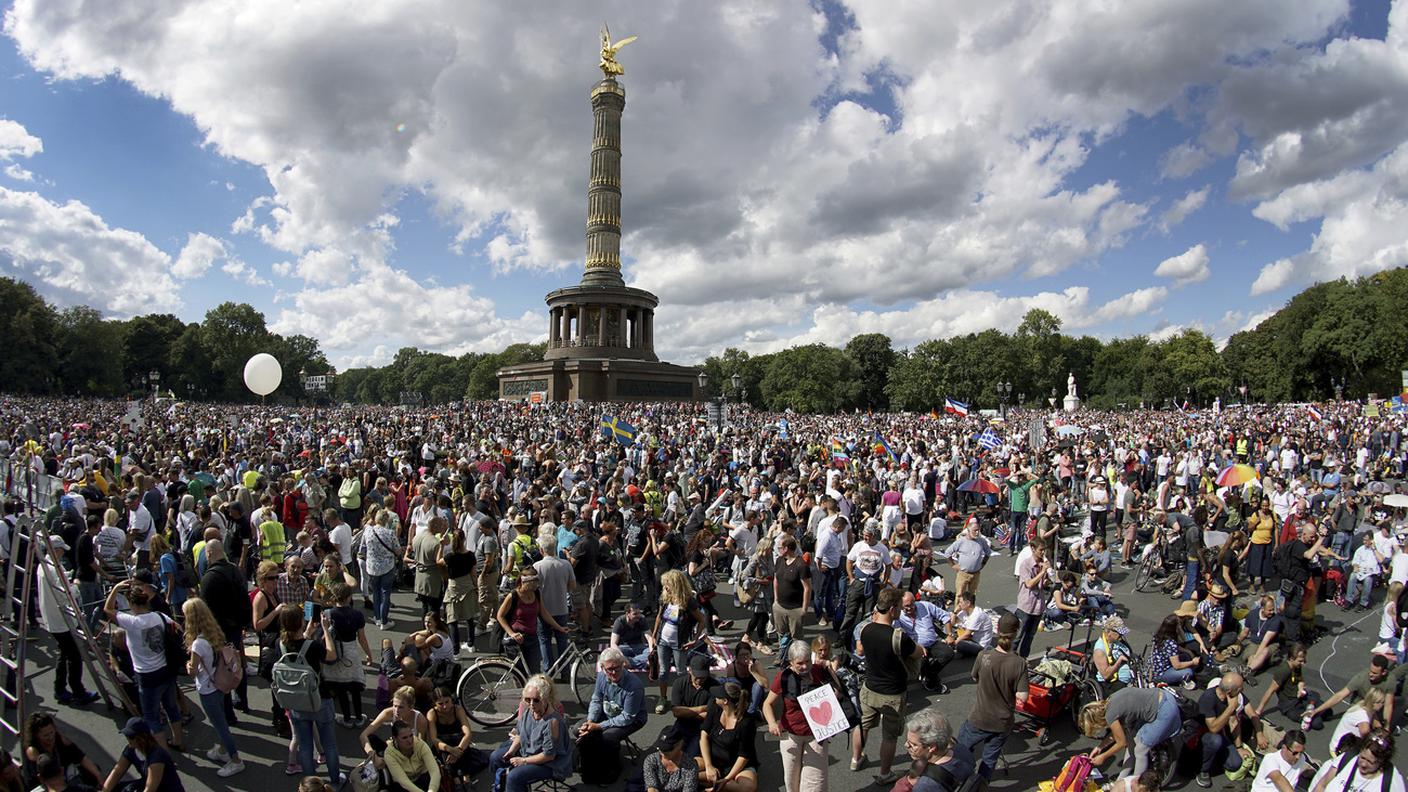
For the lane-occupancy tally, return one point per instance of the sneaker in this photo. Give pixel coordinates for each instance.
(293, 769)
(343, 721)
(1204, 780)
(466, 651)
(1190, 684)
(886, 779)
(63, 697)
(229, 769)
(856, 764)
(360, 721)
(217, 754)
(660, 708)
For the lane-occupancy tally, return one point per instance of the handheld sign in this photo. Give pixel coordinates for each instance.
(823, 712)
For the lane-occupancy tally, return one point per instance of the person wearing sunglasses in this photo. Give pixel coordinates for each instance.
(1281, 769)
(540, 746)
(1369, 770)
(617, 711)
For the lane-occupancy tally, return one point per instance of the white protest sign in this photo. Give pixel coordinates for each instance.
(823, 712)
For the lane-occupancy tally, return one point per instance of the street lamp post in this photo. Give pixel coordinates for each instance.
(721, 401)
(1022, 400)
(1052, 400)
(1243, 390)
(1187, 395)
(1339, 387)
(154, 379)
(1004, 392)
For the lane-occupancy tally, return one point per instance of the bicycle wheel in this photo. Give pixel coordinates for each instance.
(490, 691)
(583, 680)
(1145, 572)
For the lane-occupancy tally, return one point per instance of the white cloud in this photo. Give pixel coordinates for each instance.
(243, 272)
(74, 257)
(751, 195)
(1362, 217)
(1182, 208)
(15, 141)
(1187, 267)
(14, 171)
(201, 251)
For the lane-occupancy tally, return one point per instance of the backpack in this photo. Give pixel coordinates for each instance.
(295, 683)
(973, 782)
(531, 554)
(185, 576)
(173, 646)
(229, 668)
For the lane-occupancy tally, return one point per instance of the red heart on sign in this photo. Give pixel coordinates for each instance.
(821, 713)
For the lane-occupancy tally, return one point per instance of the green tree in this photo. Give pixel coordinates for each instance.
(872, 357)
(90, 353)
(232, 333)
(815, 378)
(147, 347)
(29, 326)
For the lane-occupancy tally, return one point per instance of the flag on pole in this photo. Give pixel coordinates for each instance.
(1314, 413)
(879, 446)
(616, 428)
(989, 439)
(838, 450)
(955, 407)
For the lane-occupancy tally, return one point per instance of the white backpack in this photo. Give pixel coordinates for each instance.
(295, 683)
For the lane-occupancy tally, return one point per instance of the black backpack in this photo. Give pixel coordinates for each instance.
(973, 782)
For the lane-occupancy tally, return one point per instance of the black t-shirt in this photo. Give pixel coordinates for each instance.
(1209, 705)
(727, 745)
(789, 577)
(170, 777)
(85, 555)
(585, 551)
(884, 670)
(671, 554)
(630, 634)
(1297, 566)
(1258, 626)
(459, 564)
(346, 623)
(683, 693)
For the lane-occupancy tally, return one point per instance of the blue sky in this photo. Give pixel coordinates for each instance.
(795, 173)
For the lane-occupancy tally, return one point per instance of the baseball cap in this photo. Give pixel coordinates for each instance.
(135, 726)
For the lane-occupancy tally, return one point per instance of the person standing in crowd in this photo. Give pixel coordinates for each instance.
(381, 549)
(804, 759)
(68, 671)
(205, 640)
(423, 554)
(831, 549)
(556, 582)
(886, 650)
(1002, 683)
(156, 683)
(929, 740)
(1033, 590)
(866, 564)
(968, 554)
(791, 590)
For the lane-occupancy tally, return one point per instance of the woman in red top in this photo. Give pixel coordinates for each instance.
(518, 616)
(803, 758)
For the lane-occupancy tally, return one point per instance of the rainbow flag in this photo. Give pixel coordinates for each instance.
(838, 450)
(879, 446)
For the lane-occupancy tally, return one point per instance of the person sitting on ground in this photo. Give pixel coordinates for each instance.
(1066, 603)
(1380, 675)
(43, 738)
(452, 738)
(1261, 633)
(1362, 718)
(410, 762)
(1113, 655)
(689, 701)
(728, 752)
(540, 747)
(1222, 709)
(402, 710)
(971, 629)
(1368, 768)
(1280, 769)
(154, 765)
(929, 740)
(925, 623)
(1216, 623)
(1169, 664)
(667, 769)
(630, 633)
(1293, 699)
(748, 672)
(616, 711)
(421, 687)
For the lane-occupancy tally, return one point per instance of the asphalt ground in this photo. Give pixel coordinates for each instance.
(1342, 652)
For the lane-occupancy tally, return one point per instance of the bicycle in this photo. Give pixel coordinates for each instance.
(1156, 563)
(490, 689)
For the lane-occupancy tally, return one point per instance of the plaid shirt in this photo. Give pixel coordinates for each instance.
(292, 590)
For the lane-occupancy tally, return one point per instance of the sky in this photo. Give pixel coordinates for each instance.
(413, 172)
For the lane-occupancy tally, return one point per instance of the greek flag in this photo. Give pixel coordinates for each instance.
(989, 439)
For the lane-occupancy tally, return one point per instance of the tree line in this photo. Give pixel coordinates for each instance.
(1350, 334)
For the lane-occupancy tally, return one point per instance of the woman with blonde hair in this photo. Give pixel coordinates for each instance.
(675, 626)
(540, 747)
(1362, 718)
(204, 639)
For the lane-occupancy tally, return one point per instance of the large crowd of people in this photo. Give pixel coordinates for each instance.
(856, 547)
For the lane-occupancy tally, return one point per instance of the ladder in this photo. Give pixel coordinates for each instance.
(35, 561)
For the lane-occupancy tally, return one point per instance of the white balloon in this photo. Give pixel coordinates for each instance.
(262, 374)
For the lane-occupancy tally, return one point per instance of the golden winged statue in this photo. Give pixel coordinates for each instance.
(608, 65)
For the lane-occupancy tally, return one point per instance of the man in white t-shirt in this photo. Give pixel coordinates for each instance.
(341, 536)
(1281, 769)
(971, 627)
(139, 528)
(144, 629)
(913, 499)
(865, 567)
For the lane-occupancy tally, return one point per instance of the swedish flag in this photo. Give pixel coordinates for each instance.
(614, 427)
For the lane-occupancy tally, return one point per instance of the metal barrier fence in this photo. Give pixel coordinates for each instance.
(34, 489)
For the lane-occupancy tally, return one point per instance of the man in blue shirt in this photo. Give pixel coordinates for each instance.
(832, 541)
(616, 711)
(925, 623)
